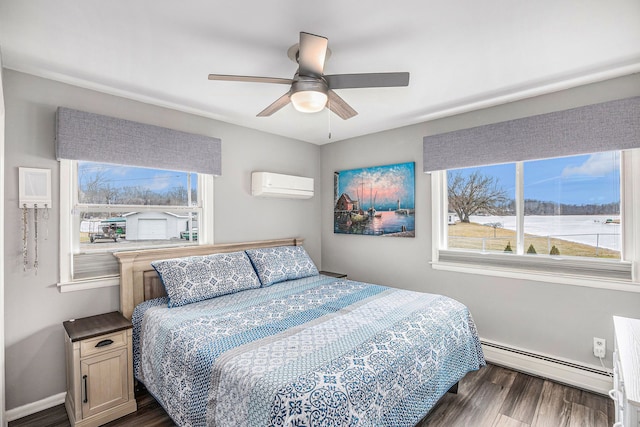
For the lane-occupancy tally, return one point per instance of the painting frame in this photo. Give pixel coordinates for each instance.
(375, 200)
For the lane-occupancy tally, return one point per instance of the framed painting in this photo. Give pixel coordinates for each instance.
(377, 201)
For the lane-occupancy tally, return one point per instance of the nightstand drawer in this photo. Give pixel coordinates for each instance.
(103, 343)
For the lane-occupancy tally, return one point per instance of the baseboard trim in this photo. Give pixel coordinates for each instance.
(579, 375)
(32, 408)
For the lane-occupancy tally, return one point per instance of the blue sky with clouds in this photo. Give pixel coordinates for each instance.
(128, 176)
(579, 180)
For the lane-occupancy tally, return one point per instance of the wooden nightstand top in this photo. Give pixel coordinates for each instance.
(93, 326)
(332, 274)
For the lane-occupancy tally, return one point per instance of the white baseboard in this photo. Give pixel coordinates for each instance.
(32, 408)
(592, 378)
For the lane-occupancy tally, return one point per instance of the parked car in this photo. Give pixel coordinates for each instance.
(112, 229)
(185, 234)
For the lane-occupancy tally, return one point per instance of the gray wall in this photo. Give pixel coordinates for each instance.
(34, 309)
(559, 320)
(555, 319)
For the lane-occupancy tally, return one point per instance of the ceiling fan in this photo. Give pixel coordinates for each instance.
(311, 90)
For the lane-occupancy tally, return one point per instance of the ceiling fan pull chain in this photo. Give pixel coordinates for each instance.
(35, 235)
(329, 115)
(25, 234)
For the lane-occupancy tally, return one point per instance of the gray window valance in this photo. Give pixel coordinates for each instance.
(607, 126)
(94, 137)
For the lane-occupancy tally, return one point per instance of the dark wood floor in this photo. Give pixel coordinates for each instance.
(499, 397)
(491, 397)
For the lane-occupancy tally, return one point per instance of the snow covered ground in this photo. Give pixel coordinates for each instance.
(588, 229)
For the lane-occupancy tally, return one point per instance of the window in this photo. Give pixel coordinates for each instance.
(566, 219)
(108, 208)
(572, 206)
(132, 207)
(480, 203)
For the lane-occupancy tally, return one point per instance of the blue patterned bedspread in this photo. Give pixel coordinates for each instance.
(310, 352)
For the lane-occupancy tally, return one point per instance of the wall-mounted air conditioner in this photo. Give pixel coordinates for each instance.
(267, 184)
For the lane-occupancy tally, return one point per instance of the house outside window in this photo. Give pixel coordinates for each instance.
(133, 207)
(108, 208)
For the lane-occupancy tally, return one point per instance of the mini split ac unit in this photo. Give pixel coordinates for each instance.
(267, 184)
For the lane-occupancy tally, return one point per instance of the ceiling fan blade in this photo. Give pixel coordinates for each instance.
(353, 81)
(312, 54)
(275, 106)
(251, 79)
(339, 106)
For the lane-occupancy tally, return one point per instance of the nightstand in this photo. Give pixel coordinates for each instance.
(332, 274)
(99, 369)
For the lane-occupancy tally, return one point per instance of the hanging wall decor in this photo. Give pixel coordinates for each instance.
(35, 187)
(377, 201)
(34, 193)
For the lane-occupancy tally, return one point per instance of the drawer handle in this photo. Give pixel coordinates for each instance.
(86, 392)
(104, 343)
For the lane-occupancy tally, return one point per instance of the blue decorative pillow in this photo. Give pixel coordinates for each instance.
(281, 263)
(196, 278)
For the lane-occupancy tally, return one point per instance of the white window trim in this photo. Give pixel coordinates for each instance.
(630, 214)
(69, 244)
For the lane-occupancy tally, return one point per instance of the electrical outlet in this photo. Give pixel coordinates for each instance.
(599, 347)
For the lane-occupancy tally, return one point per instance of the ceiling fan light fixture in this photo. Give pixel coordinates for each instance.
(309, 94)
(311, 90)
(309, 101)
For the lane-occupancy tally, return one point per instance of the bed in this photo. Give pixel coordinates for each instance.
(294, 348)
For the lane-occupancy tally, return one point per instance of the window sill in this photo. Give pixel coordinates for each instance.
(563, 279)
(83, 285)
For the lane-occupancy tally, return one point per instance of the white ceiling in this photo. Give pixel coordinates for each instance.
(462, 55)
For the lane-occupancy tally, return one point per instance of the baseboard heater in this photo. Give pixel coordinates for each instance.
(586, 377)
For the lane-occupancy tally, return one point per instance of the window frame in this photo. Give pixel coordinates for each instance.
(69, 237)
(515, 265)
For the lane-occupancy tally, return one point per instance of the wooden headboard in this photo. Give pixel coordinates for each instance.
(140, 282)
